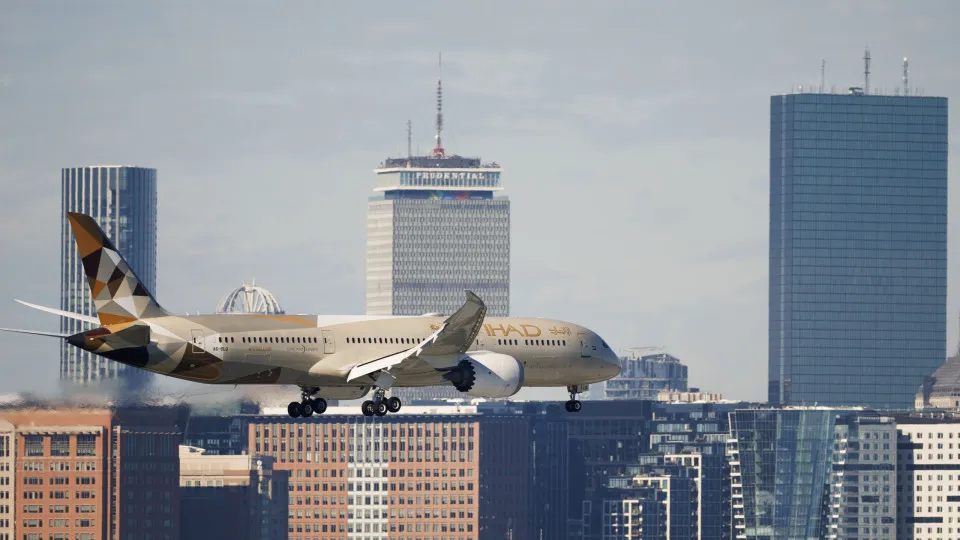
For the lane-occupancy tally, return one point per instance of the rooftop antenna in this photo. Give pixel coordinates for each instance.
(823, 69)
(438, 150)
(866, 71)
(906, 76)
(409, 139)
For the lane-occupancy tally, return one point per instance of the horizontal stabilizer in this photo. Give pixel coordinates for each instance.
(36, 333)
(67, 314)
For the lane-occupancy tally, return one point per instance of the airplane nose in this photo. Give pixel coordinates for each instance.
(611, 363)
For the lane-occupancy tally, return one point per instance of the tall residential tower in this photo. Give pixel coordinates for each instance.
(858, 247)
(123, 201)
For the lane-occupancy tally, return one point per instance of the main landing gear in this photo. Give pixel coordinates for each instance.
(307, 404)
(379, 405)
(574, 404)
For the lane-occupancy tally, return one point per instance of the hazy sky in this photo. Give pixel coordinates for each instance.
(634, 139)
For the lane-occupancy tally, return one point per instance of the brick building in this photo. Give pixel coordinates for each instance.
(442, 473)
(89, 473)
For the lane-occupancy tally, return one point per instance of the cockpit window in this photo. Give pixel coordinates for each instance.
(605, 346)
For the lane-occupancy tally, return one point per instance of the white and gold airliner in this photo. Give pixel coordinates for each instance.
(336, 357)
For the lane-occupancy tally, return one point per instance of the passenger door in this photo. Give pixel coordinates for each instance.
(196, 342)
(584, 345)
(329, 346)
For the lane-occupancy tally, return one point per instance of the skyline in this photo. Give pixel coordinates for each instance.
(672, 148)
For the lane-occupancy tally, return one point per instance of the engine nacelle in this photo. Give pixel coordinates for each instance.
(487, 374)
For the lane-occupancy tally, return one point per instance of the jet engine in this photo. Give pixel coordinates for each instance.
(487, 374)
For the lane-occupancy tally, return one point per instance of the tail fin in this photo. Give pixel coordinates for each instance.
(117, 292)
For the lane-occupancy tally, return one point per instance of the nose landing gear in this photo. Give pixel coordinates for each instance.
(307, 404)
(574, 404)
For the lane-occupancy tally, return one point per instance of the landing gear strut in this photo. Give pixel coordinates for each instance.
(307, 404)
(380, 405)
(574, 404)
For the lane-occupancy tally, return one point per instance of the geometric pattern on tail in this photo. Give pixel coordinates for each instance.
(118, 295)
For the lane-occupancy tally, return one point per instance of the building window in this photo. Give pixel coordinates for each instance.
(86, 445)
(33, 445)
(60, 445)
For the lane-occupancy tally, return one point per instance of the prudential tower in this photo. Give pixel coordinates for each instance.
(435, 228)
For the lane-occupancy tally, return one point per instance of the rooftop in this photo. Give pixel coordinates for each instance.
(434, 162)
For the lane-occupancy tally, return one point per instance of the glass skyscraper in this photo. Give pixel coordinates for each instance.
(858, 247)
(123, 201)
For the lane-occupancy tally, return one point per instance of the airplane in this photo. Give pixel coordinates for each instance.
(328, 357)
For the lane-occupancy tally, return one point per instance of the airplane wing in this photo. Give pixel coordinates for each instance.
(453, 337)
(70, 315)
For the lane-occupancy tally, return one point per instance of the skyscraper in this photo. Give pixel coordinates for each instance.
(858, 247)
(123, 201)
(435, 229)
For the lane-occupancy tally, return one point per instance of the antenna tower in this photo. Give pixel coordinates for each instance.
(906, 77)
(866, 71)
(823, 68)
(409, 139)
(438, 151)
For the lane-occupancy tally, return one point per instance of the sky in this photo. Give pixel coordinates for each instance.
(634, 140)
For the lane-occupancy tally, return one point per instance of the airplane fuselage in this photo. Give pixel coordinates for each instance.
(312, 350)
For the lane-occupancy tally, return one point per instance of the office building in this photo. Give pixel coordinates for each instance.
(89, 473)
(644, 373)
(435, 229)
(442, 471)
(231, 497)
(858, 247)
(928, 477)
(123, 201)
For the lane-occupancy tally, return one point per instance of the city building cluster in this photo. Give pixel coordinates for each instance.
(621, 469)
(859, 438)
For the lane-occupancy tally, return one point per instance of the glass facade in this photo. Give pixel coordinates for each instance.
(781, 472)
(123, 201)
(858, 248)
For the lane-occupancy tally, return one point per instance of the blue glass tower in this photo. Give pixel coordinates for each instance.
(858, 247)
(123, 201)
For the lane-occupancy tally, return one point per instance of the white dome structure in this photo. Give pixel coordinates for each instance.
(250, 299)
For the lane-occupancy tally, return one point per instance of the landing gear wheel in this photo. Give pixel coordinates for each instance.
(319, 405)
(394, 404)
(381, 408)
(293, 409)
(572, 406)
(306, 409)
(368, 408)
